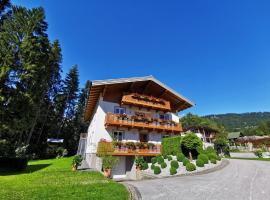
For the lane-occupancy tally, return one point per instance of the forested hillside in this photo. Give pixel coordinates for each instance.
(234, 122)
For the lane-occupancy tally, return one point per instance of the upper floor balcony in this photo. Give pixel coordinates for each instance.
(146, 102)
(142, 122)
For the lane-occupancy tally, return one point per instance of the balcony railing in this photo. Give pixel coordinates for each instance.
(142, 123)
(105, 147)
(146, 102)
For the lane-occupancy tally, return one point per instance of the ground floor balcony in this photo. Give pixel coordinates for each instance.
(128, 148)
(143, 123)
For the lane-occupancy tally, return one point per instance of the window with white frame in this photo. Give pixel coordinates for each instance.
(118, 135)
(119, 110)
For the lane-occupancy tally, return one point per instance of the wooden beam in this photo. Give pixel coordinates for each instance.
(146, 87)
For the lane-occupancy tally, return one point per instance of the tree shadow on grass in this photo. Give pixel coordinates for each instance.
(29, 169)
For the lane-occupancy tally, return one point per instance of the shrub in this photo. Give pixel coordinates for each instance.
(218, 158)
(174, 164)
(145, 166)
(152, 166)
(13, 164)
(139, 161)
(200, 163)
(185, 161)
(203, 157)
(212, 156)
(180, 157)
(173, 171)
(258, 153)
(214, 161)
(190, 167)
(169, 158)
(165, 156)
(160, 160)
(77, 160)
(154, 160)
(171, 145)
(163, 165)
(157, 170)
(191, 142)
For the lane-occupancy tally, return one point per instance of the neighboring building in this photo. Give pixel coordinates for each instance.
(131, 116)
(234, 136)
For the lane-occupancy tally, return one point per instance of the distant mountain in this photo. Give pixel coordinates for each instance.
(235, 122)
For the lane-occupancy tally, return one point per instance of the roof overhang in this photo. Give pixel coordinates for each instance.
(143, 85)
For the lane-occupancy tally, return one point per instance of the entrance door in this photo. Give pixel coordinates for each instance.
(143, 137)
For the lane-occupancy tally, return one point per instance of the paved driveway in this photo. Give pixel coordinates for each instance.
(241, 179)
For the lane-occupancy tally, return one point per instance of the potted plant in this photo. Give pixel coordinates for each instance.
(108, 162)
(139, 162)
(77, 160)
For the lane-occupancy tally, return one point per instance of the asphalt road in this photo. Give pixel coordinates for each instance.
(241, 179)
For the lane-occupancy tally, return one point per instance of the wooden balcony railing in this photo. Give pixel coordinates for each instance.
(131, 122)
(146, 102)
(105, 147)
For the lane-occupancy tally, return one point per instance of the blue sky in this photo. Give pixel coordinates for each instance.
(216, 53)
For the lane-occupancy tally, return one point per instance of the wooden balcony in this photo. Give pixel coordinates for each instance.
(129, 122)
(146, 102)
(104, 146)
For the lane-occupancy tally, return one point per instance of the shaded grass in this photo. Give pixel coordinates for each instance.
(261, 159)
(53, 179)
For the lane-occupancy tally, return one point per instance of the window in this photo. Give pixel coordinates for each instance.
(165, 116)
(119, 110)
(118, 135)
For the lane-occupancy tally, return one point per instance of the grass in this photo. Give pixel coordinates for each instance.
(261, 159)
(53, 179)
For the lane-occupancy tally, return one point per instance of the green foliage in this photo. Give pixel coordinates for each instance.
(218, 158)
(214, 161)
(139, 161)
(160, 160)
(203, 157)
(212, 156)
(169, 158)
(174, 164)
(165, 156)
(180, 157)
(6, 149)
(163, 165)
(157, 170)
(144, 166)
(152, 166)
(171, 145)
(154, 160)
(191, 142)
(173, 171)
(200, 163)
(221, 145)
(190, 167)
(258, 153)
(109, 161)
(185, 161)
(77, 160)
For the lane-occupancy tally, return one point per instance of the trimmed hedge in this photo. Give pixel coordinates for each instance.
(219, 158)
(16, 164)
(203, 157)
(144, 166)
(185, 161)
(174, 164)
(200, 163)
(190, 167)
(154, 160)
(163, 165)
(152, 166)
(173, 171)
(169, 158)
(165, 156)
(171, 145)
(214, 161)
(157, 170)
(180, 157)
(212, 156)
(160, 160)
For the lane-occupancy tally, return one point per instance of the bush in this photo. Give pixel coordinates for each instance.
(203, 157)
(212, 156)
(171, 145)
(180, 157)
(154, 160)
(157, 170)
(145, 166)
(169, 158)
(185, 161)
(200, 163)
(214, 161)
(152, 166)
(160, 160)
(190, 167)
(258, 153)
(218, 158)
(174, 164)
(163, 165)
(139, 161)
(165, 156)
(173, 171)
(13, 164)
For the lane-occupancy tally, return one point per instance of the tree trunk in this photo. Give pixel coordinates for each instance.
(190, 155)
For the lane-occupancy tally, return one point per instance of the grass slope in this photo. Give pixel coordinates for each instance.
(53, 179)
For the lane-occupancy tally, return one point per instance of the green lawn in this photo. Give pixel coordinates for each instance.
(53, 179)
